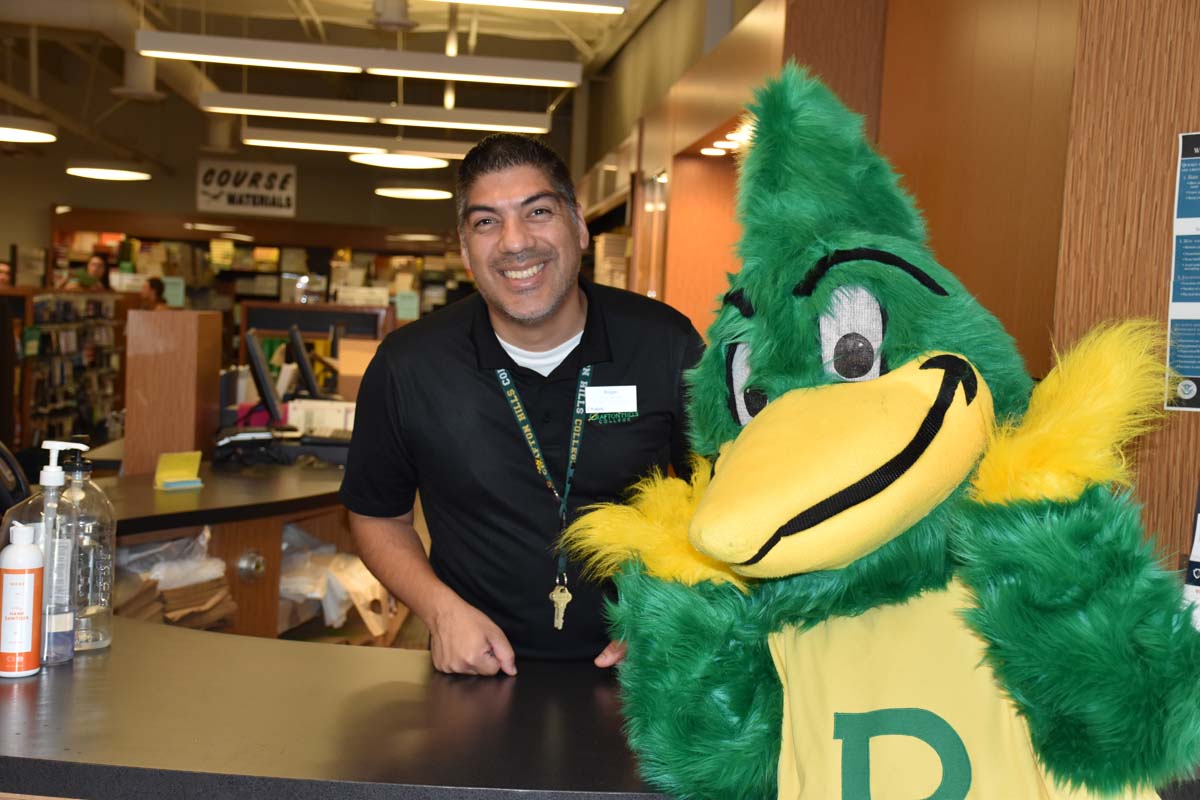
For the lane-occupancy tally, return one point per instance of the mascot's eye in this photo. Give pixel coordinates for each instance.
(852, 335)
(744, 402)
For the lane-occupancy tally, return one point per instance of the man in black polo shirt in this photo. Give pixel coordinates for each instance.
(509, 411)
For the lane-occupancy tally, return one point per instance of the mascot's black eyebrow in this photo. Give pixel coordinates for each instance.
(738, 299)
(805, 287)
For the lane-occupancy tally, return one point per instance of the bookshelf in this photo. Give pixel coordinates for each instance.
(71, 362)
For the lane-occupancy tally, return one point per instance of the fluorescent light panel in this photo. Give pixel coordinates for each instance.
(350, 143)
(308, 142)
(354, 111)
(580, 6)
(377, 61)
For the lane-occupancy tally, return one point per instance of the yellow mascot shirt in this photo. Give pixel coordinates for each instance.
(898, 704)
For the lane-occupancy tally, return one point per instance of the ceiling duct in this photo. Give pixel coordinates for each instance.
(220, 135)
(119, 22)
(139, 79)
(392, 15)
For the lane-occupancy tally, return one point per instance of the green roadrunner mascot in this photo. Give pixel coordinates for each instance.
(899, 571)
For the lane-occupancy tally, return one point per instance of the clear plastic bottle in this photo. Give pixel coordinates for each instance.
(95, 540)
(56, 515)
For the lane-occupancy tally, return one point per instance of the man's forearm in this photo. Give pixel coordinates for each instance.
(393, 553)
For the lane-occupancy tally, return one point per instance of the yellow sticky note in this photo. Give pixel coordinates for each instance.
(178, 471)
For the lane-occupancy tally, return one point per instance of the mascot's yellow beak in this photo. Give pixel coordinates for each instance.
(796, 491)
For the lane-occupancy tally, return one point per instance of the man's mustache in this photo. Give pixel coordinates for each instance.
(521, 260)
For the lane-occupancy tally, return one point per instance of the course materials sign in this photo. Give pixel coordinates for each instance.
(243, 187)
(1183, 353)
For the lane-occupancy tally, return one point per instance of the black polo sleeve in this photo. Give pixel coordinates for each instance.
(381, 477)
(681, 449)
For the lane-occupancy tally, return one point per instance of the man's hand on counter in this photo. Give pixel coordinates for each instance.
(465, 641)
(612, 655)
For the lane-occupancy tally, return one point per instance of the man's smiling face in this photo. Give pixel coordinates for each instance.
(522, 243)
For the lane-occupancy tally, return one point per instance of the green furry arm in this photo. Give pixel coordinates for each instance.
(701, 698)
(1089, 636)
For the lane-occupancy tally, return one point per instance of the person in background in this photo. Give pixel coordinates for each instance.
(94, 277)
(152, 295)
(6, 275)
(509, 411)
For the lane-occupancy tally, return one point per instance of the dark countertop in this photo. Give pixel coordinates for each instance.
(229, 493)
(171, 712)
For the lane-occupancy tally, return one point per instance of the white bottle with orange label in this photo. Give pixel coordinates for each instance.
(20, 603)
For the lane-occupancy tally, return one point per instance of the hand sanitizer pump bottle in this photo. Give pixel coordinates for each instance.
(55, 516)
(95, 539)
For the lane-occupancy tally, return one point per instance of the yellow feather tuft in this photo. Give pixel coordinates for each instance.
(652, 527)
(1104, 393)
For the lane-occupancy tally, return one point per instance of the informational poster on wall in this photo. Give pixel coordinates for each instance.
(1183, 350)
(247, 188)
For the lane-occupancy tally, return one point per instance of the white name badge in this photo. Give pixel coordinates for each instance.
(610, 399)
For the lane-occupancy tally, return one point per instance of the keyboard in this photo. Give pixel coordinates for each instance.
(326, 436)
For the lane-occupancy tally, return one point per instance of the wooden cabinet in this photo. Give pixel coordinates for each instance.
(173, 385)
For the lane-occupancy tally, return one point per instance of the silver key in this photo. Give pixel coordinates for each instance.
(560, 596)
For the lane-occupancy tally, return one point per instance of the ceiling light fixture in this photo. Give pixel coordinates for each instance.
(238, 237)
(260, 105)
(467, 119)
(313, 140)
(725, 144)
(256, 105)
(399, 161)
(108, 170)
(301, 144)
(377, 61)
(414, 237)
(406, 192)
(208, 226)
(741, 134)
(581, 6)
(350, 143)
(245, 52)
(26, 130)
(712, 151)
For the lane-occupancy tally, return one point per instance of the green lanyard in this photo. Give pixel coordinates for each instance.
(539, 462)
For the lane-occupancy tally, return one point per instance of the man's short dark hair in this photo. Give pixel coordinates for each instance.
(158, 287)
(502, 151)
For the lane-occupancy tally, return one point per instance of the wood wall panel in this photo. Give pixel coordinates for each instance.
(975, 116)
(702, 235)
(1137, 86)
(843, 44)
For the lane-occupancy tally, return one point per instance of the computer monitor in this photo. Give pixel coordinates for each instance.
(300, 355)
(262, 378)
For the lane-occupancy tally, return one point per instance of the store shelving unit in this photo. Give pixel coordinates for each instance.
(71, 370)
